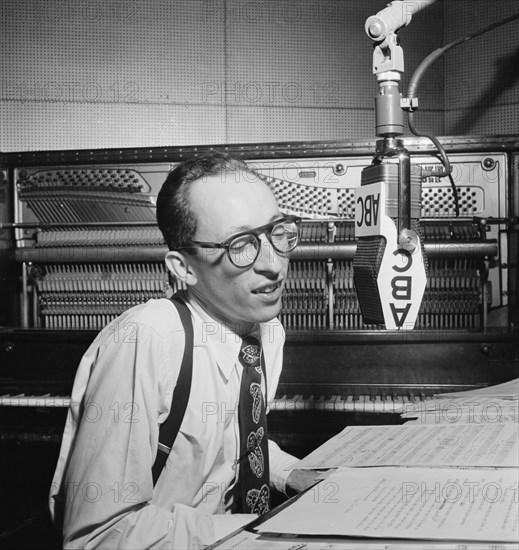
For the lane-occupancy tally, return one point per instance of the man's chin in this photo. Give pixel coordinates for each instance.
(266, 312)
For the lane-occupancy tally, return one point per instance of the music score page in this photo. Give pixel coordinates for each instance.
(446, 445)
(411, 503)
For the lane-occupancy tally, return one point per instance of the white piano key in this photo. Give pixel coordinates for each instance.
(291, 403)
(330, 402)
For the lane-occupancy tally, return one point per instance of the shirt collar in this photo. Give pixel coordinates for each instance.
(223, 344)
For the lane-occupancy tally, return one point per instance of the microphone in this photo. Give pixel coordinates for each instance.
(389, 268)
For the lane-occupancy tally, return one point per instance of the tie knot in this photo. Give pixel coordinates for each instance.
(250, 352)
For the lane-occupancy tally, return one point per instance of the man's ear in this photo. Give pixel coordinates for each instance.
(180, 266)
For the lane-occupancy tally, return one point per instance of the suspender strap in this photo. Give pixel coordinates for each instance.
(169, 429)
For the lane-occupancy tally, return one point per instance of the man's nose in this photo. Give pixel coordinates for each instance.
(268, 259)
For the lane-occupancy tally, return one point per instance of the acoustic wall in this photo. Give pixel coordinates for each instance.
(482, 75)
(81, 74)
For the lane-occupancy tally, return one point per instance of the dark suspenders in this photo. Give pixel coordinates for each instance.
(169, 429)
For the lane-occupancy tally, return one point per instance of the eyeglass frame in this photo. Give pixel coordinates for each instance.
(255, 232)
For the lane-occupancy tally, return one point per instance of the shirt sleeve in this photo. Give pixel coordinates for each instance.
(107, 486)
(280, 466)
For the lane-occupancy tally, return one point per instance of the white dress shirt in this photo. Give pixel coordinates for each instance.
(102, 490)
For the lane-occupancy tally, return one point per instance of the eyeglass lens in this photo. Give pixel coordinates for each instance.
(244, 250)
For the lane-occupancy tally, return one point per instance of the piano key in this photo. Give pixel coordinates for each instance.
(378, 403)
(366, 404)
(349, 403)
(286, 402)
(331, 402)
(339, 403)
(297, 402)
(306, 402)
(276, 403)
(319, 403)
(282, 403)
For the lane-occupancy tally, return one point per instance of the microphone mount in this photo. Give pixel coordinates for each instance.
(389, 265)
(388, 66)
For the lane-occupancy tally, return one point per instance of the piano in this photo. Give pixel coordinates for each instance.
(368, 378)
(80, 244)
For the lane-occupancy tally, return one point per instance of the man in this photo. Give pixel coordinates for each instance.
(229, 246)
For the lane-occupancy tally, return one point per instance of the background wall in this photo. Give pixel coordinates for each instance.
(482, 75)
(79, 74)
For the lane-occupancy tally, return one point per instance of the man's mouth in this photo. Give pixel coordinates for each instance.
(268, 289)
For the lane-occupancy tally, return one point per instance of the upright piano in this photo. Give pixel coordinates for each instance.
(80, 245)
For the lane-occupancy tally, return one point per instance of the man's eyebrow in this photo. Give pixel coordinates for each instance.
(241, 228)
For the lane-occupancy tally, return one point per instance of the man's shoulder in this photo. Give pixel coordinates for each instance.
(157, 314)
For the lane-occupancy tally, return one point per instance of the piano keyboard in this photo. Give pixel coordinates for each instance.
(23, 400)
(345, 403)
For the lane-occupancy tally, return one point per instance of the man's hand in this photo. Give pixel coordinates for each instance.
(300, 480)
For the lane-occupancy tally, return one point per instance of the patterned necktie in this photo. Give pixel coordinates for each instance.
(253, 489)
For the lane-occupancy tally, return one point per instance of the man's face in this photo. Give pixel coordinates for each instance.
(225, 205)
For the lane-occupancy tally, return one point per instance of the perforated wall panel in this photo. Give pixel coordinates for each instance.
(98, 74)
(109, 74)
(482, 75)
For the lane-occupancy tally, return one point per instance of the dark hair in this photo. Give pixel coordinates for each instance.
(175, 217)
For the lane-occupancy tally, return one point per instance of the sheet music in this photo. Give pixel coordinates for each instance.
(463, 409)
(413, 503)
(457, 445)
(506, 390)
(255, 541)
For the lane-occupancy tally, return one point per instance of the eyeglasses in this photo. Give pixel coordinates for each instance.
(244, 248)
